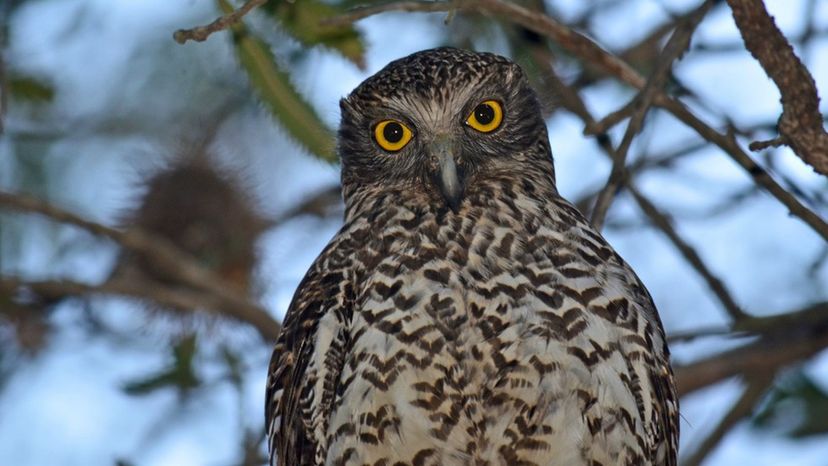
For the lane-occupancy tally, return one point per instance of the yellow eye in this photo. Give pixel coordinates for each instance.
(392, 135)
(486, 117)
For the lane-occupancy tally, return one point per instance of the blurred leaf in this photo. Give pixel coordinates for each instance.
(795, 394)
(28, 88)
(275, 88)
(234, 366)
(180, 374)
(303, 20)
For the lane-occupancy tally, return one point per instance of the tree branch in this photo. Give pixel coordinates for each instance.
(201, 33)
(784, 339)
(712, 331)
(363, 12)
(663, 223)
(675, 47)
(159, 251)
(800, 125)
(181, 298)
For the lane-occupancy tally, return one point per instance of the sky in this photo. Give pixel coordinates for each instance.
(125, 91)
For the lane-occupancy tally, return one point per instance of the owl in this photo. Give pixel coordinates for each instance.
(465, 313)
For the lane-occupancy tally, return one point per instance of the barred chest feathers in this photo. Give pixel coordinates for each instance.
(500, 334)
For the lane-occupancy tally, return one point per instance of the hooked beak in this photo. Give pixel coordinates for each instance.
(446, 176)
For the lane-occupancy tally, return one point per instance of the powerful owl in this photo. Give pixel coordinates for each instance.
(465, 313)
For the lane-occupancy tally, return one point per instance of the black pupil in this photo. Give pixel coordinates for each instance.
(484, 113)
(393, 132)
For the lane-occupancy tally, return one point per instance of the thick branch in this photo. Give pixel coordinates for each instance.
(784, 340)
(163, 295)
(801, 122)
(159, 251)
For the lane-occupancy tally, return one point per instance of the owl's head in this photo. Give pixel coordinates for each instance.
(438, 122)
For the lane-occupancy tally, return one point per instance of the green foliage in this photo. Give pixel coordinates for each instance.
(235, 366)
(180, 374)
(277, 91)
(304, 21)
(795, 405)
(30, 89)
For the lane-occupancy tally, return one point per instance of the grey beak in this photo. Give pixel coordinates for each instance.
(447, 178)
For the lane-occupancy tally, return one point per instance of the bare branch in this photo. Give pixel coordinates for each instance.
(713, 331)
(201, 33)
(675, 47)
(662, 160)
(590, 52)
(688, 252)
(571, 40)
(363, 12)
(319, 204)
(162, 253)
(574, 42)
(801, 124)
(757, 173)
(181, 298)
(785, 339)
(762, 145)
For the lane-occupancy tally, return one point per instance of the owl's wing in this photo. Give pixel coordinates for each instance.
(668, 419)
(663, 423)
(305, 367)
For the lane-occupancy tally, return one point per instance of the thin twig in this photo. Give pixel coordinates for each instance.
(181, 298)
(713, 331)
(319, 204)
(363, 12)
(201, 33)
(664, 224)
(675, 47)
(159, 251)
(617, 116)
(651, 162)
(800, 125)
(757, 173)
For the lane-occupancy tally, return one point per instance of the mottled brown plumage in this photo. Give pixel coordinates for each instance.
(465, 314)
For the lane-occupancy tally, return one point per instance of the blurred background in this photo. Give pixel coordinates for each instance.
(131, 145)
